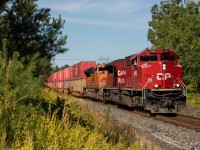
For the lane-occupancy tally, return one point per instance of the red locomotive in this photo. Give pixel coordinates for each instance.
(151, 80)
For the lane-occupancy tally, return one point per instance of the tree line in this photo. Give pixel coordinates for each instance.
(29, 30)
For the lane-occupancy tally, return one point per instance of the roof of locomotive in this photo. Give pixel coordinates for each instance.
(144, 52)
(156, 51)
(114, 62)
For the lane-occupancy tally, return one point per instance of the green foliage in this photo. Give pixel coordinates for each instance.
(33, 129)
(176, 25)
(17, 79)
(30, 30)
(56, 68)
(17, 83)
(193, 105)
(194, 100)
(65, 66)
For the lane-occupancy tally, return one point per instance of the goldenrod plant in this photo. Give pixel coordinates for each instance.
(35, 117)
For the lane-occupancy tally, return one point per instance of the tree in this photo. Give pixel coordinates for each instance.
(29, 39)
(176, 25)
(18, 83)
(56, 69)
(31, 30)
(64, 66)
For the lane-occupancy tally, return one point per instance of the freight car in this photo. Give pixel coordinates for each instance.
(150, 80)
(70, 80)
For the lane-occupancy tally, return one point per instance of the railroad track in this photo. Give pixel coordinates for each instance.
(175, 119)
(180, 120)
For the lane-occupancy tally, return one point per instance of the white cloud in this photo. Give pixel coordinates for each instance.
(123, 25)
(102, 12)
(102, 6)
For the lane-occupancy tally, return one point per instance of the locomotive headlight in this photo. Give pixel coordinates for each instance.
(177, 85)
(156, 85)
(164, 66)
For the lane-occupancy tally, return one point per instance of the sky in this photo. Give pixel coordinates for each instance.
(101, 30)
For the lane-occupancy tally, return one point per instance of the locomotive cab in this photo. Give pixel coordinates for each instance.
(161, 81)
(96, 80)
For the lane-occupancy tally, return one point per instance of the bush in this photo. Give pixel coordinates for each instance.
(38, 118)
(17, 84)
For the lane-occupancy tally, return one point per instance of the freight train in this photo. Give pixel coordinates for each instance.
(150, 80)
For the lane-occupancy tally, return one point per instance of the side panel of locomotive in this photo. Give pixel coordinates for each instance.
(116, 73)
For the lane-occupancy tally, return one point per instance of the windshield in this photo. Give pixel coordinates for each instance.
(148, 58)
(168, 57)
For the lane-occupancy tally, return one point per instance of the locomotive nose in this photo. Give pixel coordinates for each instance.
(166, 103)
(165, 76)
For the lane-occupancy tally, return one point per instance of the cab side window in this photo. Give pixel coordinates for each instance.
(134, 62)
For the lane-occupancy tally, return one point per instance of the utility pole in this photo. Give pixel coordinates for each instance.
(103, 59)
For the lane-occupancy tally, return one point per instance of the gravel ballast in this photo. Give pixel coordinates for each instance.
(156, 133)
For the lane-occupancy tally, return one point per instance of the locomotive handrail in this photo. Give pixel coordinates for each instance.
(102, 86)
(143, 92)
(183, 85)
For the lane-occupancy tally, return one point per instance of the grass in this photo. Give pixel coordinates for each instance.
(193, 105)
(193, 100)
(55, 122)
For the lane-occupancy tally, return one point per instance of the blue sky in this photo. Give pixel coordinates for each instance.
(98, 29)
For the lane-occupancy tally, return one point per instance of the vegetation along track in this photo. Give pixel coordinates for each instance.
(175, 119)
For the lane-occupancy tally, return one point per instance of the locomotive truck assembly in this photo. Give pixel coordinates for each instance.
(150, 80)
